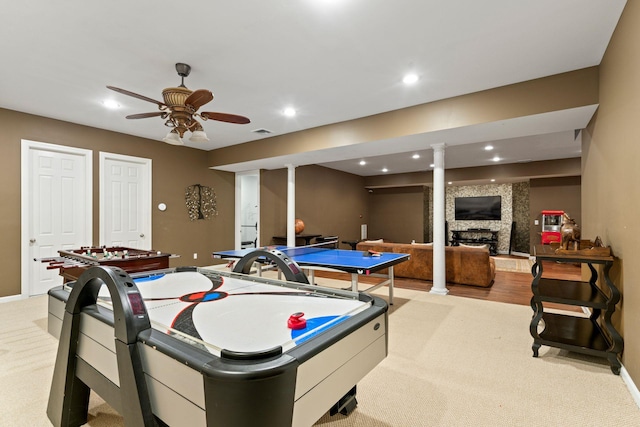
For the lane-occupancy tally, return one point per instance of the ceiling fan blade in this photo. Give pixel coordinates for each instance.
(198, 98)
(224, 117)
(146, 115)
(135, 95)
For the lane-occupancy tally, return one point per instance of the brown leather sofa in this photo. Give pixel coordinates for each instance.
(464, 265)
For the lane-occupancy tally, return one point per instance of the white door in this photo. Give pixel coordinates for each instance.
(56, 208)
(247, 210)
(125, 201)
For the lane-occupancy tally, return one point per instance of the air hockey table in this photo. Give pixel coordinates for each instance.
(197, 347)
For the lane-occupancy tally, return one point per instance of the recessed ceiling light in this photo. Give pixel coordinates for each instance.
(449, 182)
(432, 165)
(110, 103)
(362, 163)
(496, 159)
(410, 79)
(415, 156)
(289, 112)
(385, 170)
(493, 180)
(488, 147)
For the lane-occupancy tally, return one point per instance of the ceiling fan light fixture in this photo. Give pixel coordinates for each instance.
(179, 109)
(173, 138)
(199, 136)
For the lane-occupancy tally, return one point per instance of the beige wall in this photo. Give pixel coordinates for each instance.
(173, 168)
(559, 92)
(512, 172)
(610, 176)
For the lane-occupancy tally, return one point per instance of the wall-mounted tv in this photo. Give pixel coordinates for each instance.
(478, 208)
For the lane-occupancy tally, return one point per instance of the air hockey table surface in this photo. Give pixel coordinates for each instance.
(218, 339)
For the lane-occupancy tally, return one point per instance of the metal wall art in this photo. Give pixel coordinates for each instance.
(201, 202)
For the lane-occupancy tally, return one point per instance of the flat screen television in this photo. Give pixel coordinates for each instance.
(478, 208)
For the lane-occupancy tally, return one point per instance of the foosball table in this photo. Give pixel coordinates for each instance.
(72, 263)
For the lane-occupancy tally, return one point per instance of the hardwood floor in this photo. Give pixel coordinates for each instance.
(508, 287)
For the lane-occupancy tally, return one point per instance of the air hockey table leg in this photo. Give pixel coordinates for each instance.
(346, 404)
(391, 283)
(70, 386)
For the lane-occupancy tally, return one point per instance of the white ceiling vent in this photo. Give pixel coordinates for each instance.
(262, 131)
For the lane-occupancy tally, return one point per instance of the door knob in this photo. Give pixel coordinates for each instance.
(141, 234)
(32, 240)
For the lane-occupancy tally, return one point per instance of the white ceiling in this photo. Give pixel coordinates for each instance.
(332, 60)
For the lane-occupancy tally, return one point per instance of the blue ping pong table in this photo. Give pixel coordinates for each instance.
(321, 258)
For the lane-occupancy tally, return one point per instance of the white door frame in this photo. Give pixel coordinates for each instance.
(25, 185)
(238, 208)
(146, 202)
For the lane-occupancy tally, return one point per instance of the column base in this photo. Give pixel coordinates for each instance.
(439, 291)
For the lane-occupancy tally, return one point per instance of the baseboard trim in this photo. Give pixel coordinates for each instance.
(628, 381)
(10, 298)
(624, 374)
(522, 254)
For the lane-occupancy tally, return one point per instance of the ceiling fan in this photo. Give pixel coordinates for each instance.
(180, 108)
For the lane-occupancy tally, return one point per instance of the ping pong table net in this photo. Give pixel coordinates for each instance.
(308, 249)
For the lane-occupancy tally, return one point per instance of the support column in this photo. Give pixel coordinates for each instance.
(291, 205)
(439, 266)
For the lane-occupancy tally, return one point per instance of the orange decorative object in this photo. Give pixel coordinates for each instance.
(299, 226)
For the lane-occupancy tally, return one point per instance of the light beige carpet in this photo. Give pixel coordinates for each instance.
(452, 362)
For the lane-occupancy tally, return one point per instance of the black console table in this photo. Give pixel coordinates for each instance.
(482, 236)
(594, 335)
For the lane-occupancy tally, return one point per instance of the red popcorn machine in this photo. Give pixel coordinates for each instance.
(551, 223)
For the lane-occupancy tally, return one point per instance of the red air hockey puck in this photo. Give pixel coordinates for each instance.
(296, 321)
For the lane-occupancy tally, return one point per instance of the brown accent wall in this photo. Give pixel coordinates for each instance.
(273, 204)
(397, 214)
(173, 169)
(561, 194)
(610, 175)
(330, 202)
